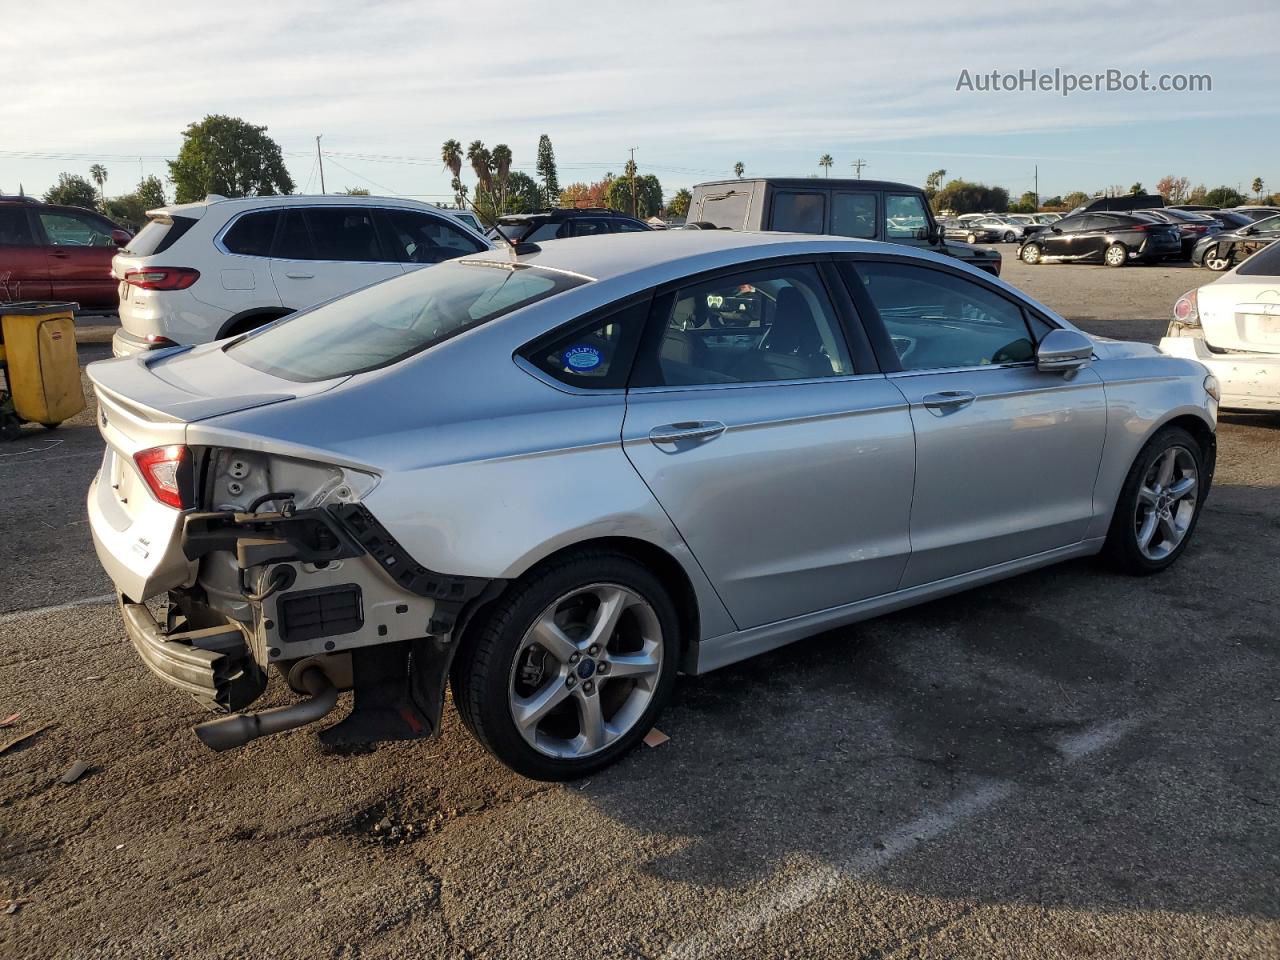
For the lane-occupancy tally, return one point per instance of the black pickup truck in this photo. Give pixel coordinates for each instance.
(867, 209)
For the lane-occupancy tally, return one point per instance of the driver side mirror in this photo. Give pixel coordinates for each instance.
(1063, 351)
(1056, 229)
(121, 237)
(1250, 229)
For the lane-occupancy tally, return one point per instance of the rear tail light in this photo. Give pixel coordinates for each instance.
(155, 340)
(167, 472)
(162, 278)
(1186, 310)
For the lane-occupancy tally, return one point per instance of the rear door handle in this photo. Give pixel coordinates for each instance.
(947, 401)
(300, 276)
(699, 430)
(59, 254)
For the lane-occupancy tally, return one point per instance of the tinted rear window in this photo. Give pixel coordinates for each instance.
(1264, 263)
(728, 210)
(391, 321)
(252, 234)
(158, 235)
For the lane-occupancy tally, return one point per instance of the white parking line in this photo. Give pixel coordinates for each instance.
(816, 883)
(41, 611)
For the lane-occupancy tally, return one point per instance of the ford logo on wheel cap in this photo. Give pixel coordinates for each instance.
(586, 667)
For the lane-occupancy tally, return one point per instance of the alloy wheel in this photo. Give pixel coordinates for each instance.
(1031, 253)
(1166, 503)
(1217, 263)
(1115, 255)
(586, 671)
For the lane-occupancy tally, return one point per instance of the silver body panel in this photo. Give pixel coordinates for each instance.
(820, 502)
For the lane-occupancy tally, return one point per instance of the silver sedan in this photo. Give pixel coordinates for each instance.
(557, 477)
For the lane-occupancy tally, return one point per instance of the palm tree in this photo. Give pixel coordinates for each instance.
(1257, 187)
(99, 174)
(739, 169)
(825, 162)
(451, 154)
(500, 164)
(480, 159)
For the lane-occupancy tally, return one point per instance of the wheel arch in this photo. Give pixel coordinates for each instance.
(664, 564)
(238, 323)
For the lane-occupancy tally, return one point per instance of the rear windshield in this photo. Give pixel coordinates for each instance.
(390, 321)
(158, 235)
(726, 210)
(1264, 263)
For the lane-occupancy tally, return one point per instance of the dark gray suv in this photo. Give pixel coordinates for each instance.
(866, 209)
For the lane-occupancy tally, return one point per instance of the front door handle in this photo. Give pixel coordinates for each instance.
(699, 430)
(59, 254)
(948, 401)
(300, 276)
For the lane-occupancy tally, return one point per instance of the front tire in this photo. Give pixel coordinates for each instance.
(570, 666)
(1010, 236)
(971, 238)
(1031, 253)
(1159, 504)
(1115, 255)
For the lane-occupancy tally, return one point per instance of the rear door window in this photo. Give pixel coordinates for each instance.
(422, 238)
(853, 215)
(799, 212)
(589, 227)
(294, 241)
(547, 231)
(250, 236)
(346, 234)
(15, 229)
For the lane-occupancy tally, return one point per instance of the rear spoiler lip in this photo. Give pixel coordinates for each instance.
(165, 403)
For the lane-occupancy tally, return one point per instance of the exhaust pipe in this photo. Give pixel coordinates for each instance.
(235, 731)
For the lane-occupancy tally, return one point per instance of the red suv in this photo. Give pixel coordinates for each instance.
(51, 252)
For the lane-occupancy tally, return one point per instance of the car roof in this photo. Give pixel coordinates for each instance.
(604, 257)
(814, 183)
(230, 205)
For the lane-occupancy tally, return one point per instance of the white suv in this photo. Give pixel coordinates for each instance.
(203, 271)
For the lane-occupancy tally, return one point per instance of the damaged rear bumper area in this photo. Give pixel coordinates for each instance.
(325, 596)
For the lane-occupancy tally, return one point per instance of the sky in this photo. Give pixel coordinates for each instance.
(693, 87)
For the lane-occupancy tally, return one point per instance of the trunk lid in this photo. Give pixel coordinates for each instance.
(149, 401)
(1239, 313)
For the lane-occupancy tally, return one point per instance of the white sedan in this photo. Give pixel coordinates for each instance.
(1232, 326)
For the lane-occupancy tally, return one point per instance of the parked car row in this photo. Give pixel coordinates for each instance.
(688, 448)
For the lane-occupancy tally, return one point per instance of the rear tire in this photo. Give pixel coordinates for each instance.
(1218, 263)
(971, 238)
(1010, 236)
(1144, 538)
(599, 712)
(1115, 255)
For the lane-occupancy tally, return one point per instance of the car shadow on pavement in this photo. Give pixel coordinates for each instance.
(1128, 723)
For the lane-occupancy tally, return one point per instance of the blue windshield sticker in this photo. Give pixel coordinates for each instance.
(582, 357)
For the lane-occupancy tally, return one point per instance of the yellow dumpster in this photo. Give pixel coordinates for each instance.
(38, 357)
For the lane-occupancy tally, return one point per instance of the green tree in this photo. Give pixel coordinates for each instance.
(524, 194)
(451, 156)
(1054, 201)
(478, 157)
(546, 169)
(648, 195)
(72, 190)
(98, 173)
(1027, 203)
(825, 162)
(961, 196)
(1136, 189)
(679, 205)
(738, 170)
(1257, 188)
(131, 209)
(1225, 197)
(1073, 200)
(227, 156)
(933, 183)
(355, 192)
(1197, 194)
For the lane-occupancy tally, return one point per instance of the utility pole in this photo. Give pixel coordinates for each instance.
(320, 158)
(1037, 186)
(633, 181)
(857, 167)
